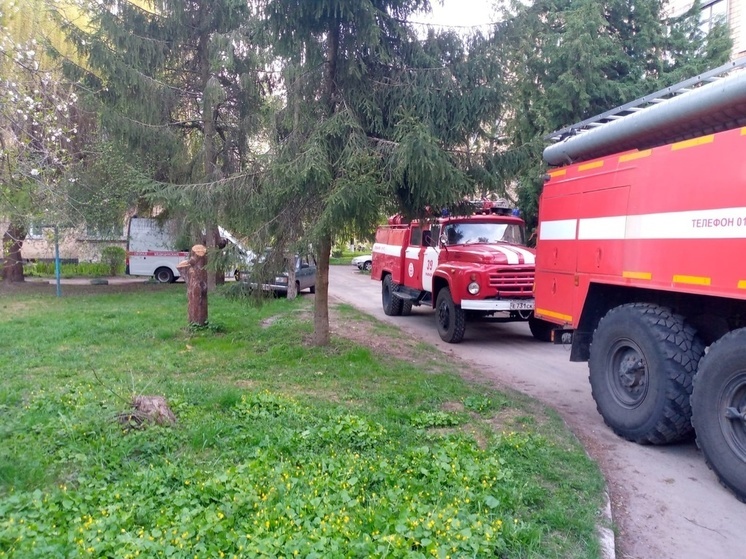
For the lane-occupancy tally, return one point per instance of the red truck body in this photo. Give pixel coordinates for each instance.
(639, 265)
(669, 219)
(476, 264)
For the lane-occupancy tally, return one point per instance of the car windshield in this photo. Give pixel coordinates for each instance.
(472, 233)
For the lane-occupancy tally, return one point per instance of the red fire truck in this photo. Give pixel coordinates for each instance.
(474, 267)
(642, 227)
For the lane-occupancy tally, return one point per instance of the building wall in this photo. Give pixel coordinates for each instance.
(74, 244)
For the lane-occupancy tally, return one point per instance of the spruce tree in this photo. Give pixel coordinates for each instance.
(179, 85)
(571, 59)
(377, 121)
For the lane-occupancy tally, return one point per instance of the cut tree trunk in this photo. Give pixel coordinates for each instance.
(195, 274)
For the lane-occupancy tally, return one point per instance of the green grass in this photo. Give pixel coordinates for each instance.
(280, 450)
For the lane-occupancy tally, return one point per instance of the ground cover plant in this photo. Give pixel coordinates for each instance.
(280, 449)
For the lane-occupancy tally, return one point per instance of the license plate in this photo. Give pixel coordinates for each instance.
(521, 305)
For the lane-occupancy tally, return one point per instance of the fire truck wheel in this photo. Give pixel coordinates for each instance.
(451, 318)
(642, 362)
(719, 410)
(163, 275)
(540, 329)
(392, 305)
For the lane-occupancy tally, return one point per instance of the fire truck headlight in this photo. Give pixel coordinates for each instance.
(473, 288)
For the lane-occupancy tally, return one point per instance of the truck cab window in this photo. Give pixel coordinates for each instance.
(416, 238)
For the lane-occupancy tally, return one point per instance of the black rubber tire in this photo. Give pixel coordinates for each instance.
(392, 305)
(164, 275)
(368, 266)
(642, 362)
(540, 329)
(312, 289)
(719, 410)
(450, 317)
(237, 275)
(406, 308)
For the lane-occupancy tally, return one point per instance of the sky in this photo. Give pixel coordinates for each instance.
(459, 13)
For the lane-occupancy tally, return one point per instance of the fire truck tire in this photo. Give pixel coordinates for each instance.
(406, 308)
(719, 410)
(392, 305)
(163, 275)
(540, 329)
(451, 318)
(642, 363)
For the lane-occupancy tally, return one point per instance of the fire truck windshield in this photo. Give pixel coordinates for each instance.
(473, 233)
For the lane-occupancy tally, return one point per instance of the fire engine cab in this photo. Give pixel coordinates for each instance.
(640, 262)
(474, 267)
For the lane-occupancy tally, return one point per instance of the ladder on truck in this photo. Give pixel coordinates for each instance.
(705, 104)
(648, 100)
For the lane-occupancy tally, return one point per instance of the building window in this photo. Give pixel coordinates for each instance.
(714, 12)
(113, 233)
(35, 231)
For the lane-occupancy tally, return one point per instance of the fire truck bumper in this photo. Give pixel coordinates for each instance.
(498, 305)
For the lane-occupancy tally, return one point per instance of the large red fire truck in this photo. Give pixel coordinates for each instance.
(641, 263)
(466, 267)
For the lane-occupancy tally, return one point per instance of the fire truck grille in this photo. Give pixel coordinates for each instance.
(510, 282)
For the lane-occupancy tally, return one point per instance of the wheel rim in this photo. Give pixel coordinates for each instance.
(732, 408)
(444, 315)
(627, 373)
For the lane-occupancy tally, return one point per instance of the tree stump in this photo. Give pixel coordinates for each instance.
(194, 272)
(147, 409)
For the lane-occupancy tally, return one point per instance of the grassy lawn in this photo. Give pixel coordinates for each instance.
(280, 449)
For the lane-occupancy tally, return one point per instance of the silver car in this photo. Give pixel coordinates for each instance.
(305, 277)
(363, 262)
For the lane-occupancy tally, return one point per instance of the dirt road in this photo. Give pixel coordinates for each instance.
(666, 503)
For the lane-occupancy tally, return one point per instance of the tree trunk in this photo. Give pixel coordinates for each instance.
(209, 113)
(290, 267)
(12, 243)
(194, 272)
(214, 243)
(321, 302)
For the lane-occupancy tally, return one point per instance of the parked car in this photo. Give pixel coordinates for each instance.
(305, 276)
(363, 262)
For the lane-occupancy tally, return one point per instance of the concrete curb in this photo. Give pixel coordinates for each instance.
(606, 536)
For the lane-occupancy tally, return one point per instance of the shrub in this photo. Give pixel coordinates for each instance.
(114, 257)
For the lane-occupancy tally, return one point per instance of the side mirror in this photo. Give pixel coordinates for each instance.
(444, 239)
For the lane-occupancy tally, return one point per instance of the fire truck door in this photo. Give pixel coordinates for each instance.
(556, 256)
(601, 236)
(412, 260)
